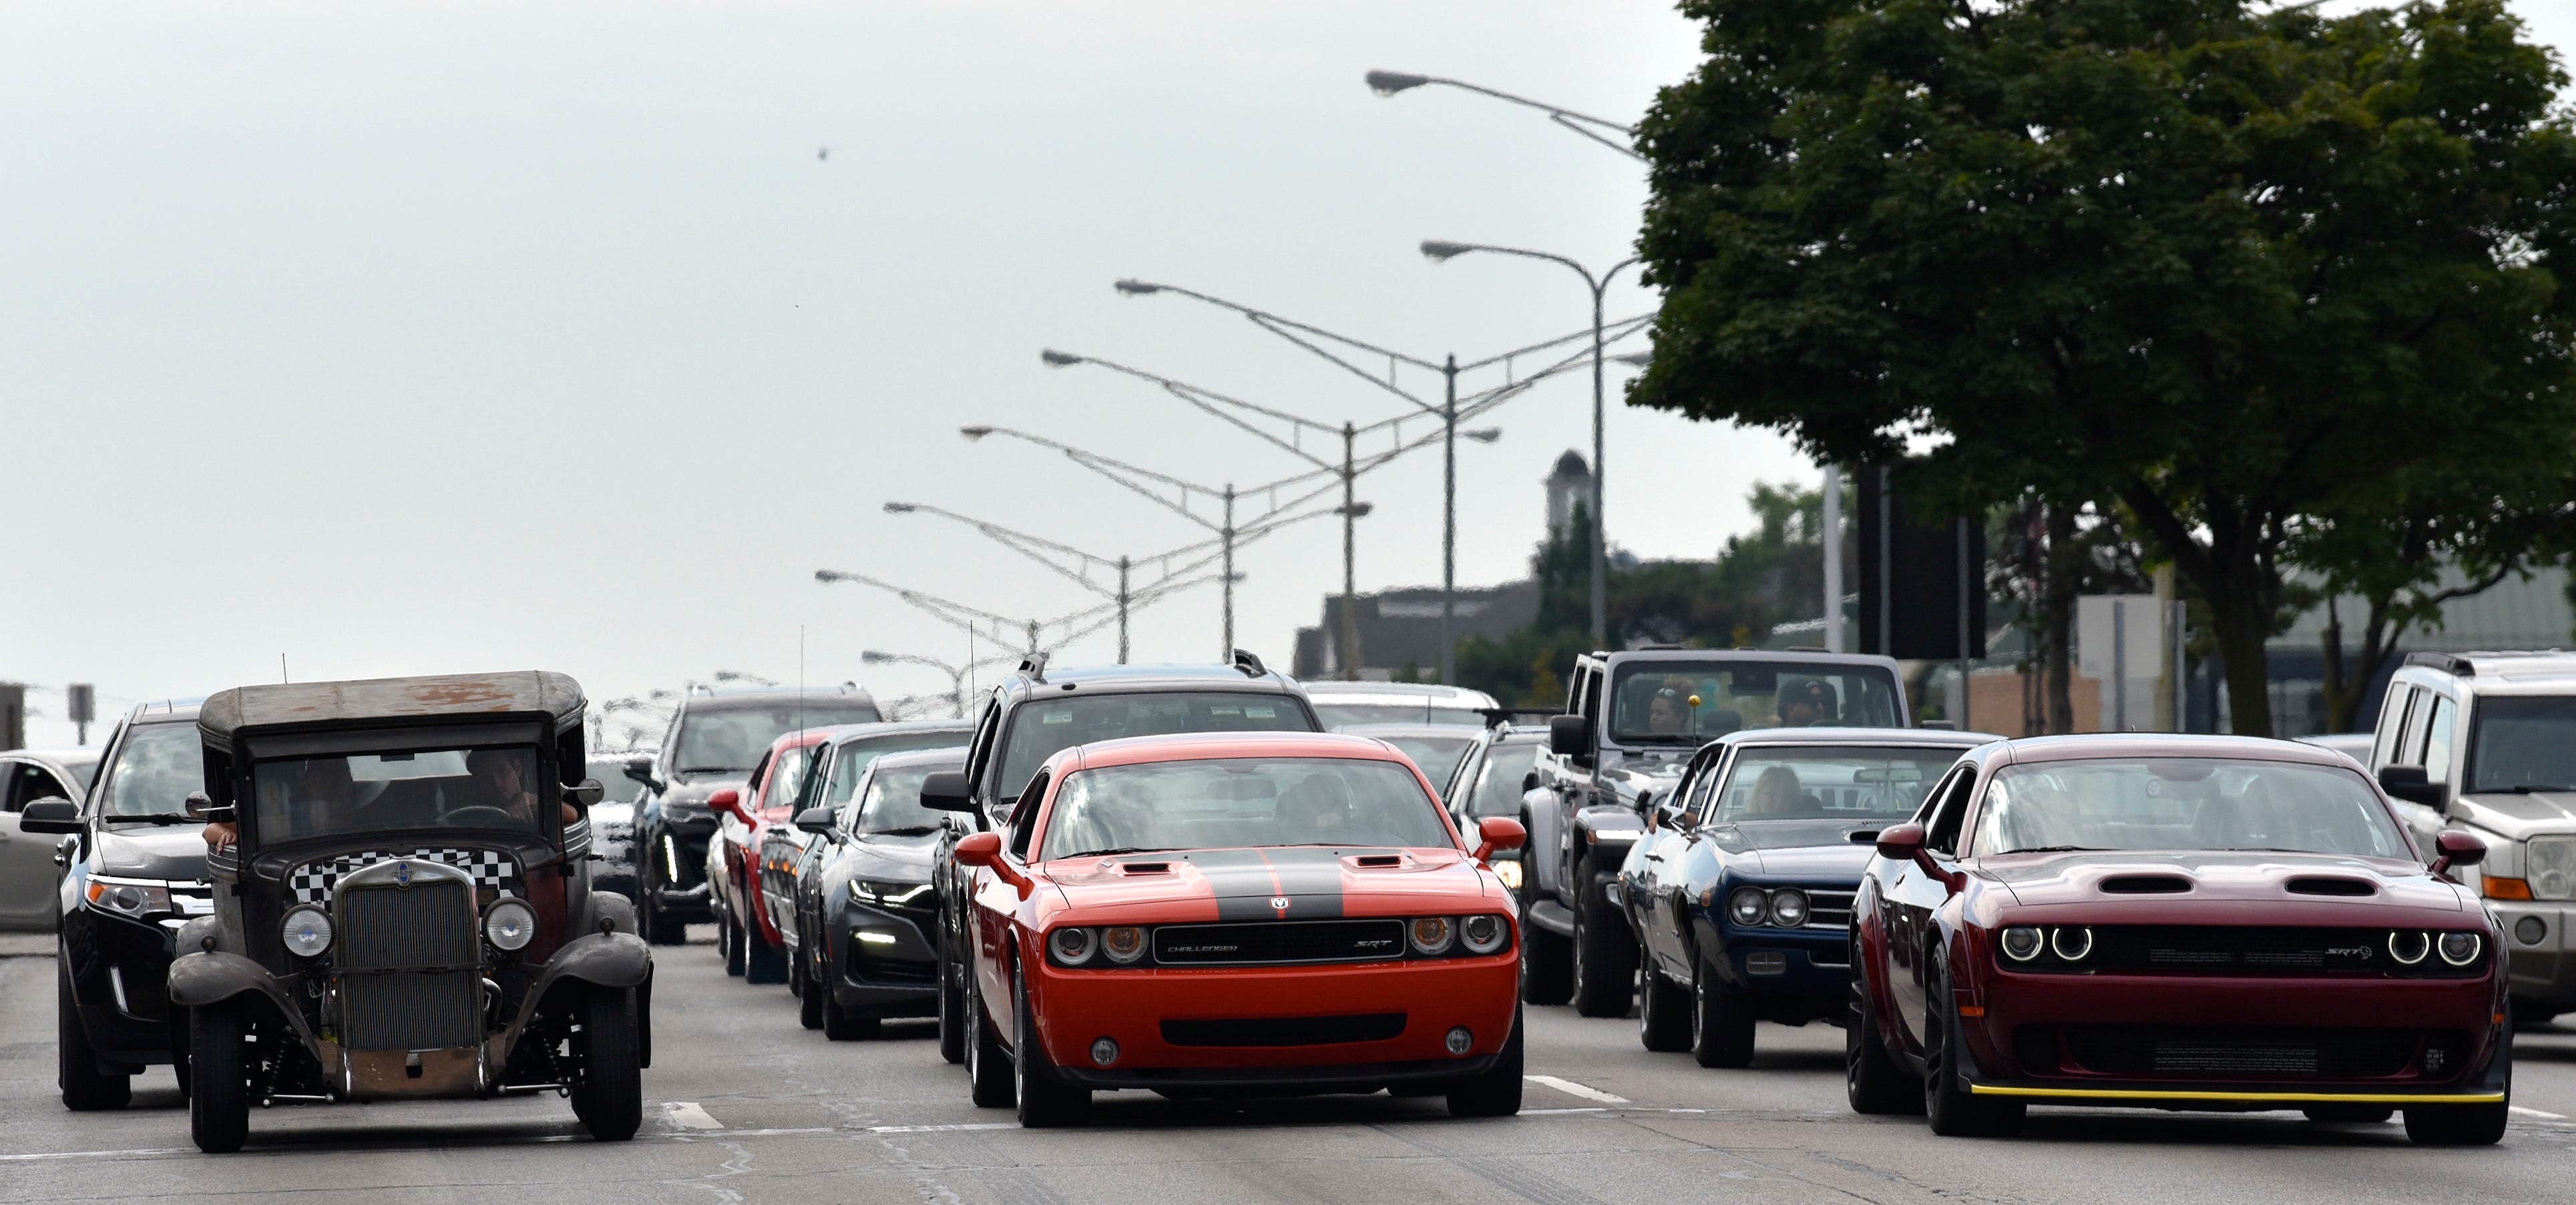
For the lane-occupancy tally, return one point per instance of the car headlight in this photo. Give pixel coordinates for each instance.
(1430, 934)
(1509, 871)
(1789, 909)
(1748, 906)
(2460, 949)
(2549, 865)
(1483, 933)
(307, 931)
(128, 897)
(870, 892)
(1123, 944)
(510, 924)
(2022, 942)
(2071, 942)
(2409, 946)
(1073, 946)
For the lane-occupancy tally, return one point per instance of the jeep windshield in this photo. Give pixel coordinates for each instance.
(494, 787)
(1044, 726)
(2523, 743)
(1237, 802)
(723, 739)
(156, 768)
(1693, 702)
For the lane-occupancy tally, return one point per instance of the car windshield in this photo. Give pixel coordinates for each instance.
(1237, 802)
(720, 740)
(1497, 790)
(2524, 744)
(2185, 803)
(1830, 783)
(1437, 755)
(1343, 715)
(614, 785)
(892, 802)
(1043, 728)
(851, 763)
(482, 788)
(84, 770)
(156, 769)
(1696, 701)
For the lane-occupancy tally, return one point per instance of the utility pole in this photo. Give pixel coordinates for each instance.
(1449, 523)
(1350, 562)
(1122, 610)
(1226, 536)
(1833, 542)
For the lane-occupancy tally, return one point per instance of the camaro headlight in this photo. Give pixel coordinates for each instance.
(2549, 865)
(1483, 933)
(1074, 946)
(1789, 909)
(1430, 934)
(2460, 949)
(307, 931)
(510, 924)
(2022, 942)
(129, 897)
(1126, 943)
(1748, 905)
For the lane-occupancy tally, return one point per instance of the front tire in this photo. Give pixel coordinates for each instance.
(988, 1067)
(85, 1087)
(610, 1094)
(1547, 959)
(2457, 1125)
(811, 990)
(1496, 1092)
(1721, 1020)
(1872, 1079)
(1952, 1109)
(1046, 1102)
(219, 1078)
(1605, 958)
(952, 1013)
(761, 961)
(1663, 1012)
(841, 1024)
(729, 942)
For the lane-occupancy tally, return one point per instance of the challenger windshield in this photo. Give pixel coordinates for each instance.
(718, 740)
(1041, 729)
(2185, 803)
(485, 788)
(1237, 802)
(1830, 783)
(1695, 701)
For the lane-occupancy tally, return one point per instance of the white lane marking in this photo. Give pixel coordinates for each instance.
(688, 1113)
(1570, 1088)
(164, 1150)
(972, 1125)
(2537, 1113)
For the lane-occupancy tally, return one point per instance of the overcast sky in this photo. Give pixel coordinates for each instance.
(414, 338)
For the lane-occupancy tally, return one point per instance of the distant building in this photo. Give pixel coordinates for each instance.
(1568, 484)
(1402, 627)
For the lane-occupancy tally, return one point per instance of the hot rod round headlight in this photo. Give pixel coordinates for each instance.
(2022, 942)
(307, 931)
(2460, 949)
(1126, 943)
(510, 924)
(1430, 934)
(1789, 909)
(1483, 933)
(1073, 947)
(1747, 906)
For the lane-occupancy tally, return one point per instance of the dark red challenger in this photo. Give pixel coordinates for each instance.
(1237, 914)
(2176, 922)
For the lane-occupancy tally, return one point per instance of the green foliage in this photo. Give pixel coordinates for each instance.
(2230, 270)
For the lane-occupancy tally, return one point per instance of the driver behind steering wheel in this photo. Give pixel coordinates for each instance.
(502, 775)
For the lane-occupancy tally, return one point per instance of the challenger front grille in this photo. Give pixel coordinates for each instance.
(1285, 1031)
(2228, 1052)
(1279, 942)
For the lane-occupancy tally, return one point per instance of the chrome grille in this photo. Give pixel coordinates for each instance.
(412, 1010)
(1829, 908)
(427, 925)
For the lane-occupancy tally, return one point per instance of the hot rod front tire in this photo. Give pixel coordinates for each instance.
(219, 1079)
(609, 1098)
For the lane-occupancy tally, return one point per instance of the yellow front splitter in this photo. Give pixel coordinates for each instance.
(2286, 1098)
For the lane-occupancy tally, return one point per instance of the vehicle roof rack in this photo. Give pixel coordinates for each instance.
(1034, 665)
(2445, 662)
(1249, 664)
(1497, 717)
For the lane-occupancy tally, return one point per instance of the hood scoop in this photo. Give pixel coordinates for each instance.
(2145, 884)
(2324, 885)
(1378, 861)
(1146, 867)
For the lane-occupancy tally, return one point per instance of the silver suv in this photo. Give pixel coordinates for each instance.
(2486, 742)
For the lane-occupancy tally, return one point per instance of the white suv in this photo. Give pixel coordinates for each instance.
(2486, 742)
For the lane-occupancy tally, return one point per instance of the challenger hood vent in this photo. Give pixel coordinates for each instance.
(2317, 885)
(2145, 884)
(1146, 867)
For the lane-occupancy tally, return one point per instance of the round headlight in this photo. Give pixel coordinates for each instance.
(1126, 943)
(2022, 942)
(1747, 906)
(307, 931)
(1430, 934)
(510, 924)
(2071, 942)
(2460, 949)
(1073, 947)
(1789, 909)
(2409, 946)
(1483, 933)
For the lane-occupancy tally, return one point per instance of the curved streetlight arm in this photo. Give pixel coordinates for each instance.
(1388, 83)
(1143, 480)
(1036, 548)
(1305, 335)
(1209, 400)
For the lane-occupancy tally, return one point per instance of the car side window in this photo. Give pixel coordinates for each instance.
(1948, 811)
(2410, 739)
(1024, 819)
(2392, 723)
(979, 750)
(2437, 740)
(1703, 786)
(848, 819)
(1592, 697)
(751, 789)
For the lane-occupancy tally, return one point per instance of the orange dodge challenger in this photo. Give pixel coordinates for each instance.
(1234, 914)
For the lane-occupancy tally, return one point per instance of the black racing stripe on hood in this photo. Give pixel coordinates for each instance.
(1247, 882)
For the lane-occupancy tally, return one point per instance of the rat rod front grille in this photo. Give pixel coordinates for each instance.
(407, 957)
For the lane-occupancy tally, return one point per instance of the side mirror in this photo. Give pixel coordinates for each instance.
(1565, 736)
(1903, 843)
(1529, 782)
(815, 820)
(727, 802)
(2456, 848)
(56, 816)
(1497, 833)
(2411, 784)
(585, 793)
(945, 791)
(1669, 813)
(640, 768)
(201, 806)
(981, 849)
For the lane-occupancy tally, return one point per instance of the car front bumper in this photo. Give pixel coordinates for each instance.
(2543, 962)
(120, 968)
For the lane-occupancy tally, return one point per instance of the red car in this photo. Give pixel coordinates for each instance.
(745, 934)
(1233, 914)
(2175, 922)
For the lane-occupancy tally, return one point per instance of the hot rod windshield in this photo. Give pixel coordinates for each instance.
(1236, 802)
(2185, 803)
(491, 787)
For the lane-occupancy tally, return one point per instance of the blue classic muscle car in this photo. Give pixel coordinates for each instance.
(1740, 892)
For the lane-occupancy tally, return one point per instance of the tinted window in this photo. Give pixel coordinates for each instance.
(1696, 701)
(1437, 755)
(2185, 803)
(491, 788)
(2437, 740)
(614, 785)
(731, 739)
(1830, 783)
(892, 802)
(851, 763)
(1043, 727)
(1498, 784)
(156, 768)
(1237, 802)
(2522, 744)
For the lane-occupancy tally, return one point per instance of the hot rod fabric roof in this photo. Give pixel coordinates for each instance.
(442, 696)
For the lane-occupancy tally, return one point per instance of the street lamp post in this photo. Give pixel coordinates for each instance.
(956, 673)
(1439, 251)
(1046, 552)
(1388, 83)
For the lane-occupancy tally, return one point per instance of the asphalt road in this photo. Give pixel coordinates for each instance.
(745, 1106)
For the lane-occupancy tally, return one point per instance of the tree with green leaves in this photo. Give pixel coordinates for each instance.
(2225, 267)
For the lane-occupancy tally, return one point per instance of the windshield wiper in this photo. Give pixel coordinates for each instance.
(2527, 788)
(713, 769)
(2060, 849)
(1123, 849)
(914, 830)
(153, 818)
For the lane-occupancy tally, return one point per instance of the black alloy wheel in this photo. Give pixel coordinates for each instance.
(1496, 1091)
(219, 1075)
(952, 1011)
(761, 961)
(1952, 1109)
(811, 988)
(1045, 1100)
(1547, 971)
(842, 1024)
(988, 1071)
(729, 942)
(1873, 1080)
(76, 1072)
(1721, 1020)
(609, 1095)
(1605, 957)
(1663, 1011)
(657, 925)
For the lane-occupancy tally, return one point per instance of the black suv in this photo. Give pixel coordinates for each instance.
(1633, 720)
(1038, 711)
(715, 738)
